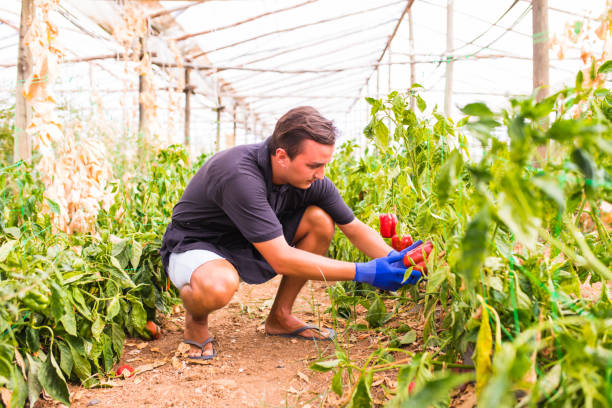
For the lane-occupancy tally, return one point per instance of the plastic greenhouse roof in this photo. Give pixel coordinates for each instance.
(322, 53)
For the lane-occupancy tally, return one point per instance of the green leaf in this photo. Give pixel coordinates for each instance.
(336, 383)
(474, 248)
(579, 80)
(136, 254)
(477, 109)
(421, 103)
(81, 367)
(56, 303)
(377, 313)
(34, 386)
(6, 249)
(117, 337)
(113, 308)
(55, 208)
(66, 361)
(437, 390)
(362, 398)
(138, 315)
(408, 338)
(605, 67)
(69, 320)
(322, 366)
(97, 327)
(13, 232)
(115, 262)
(484, 349)
(550, 186)
(52, 380)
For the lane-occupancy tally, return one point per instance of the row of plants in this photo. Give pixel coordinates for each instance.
(70, 300)
(516, 233)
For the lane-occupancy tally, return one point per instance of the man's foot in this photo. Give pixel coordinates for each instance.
(289, 324)
(197, 331)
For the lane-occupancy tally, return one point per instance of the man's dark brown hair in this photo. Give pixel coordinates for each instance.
(299, 124)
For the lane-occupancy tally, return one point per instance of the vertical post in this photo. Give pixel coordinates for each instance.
(218, 109)
(448, 93)
(540, 48)
(22, 140)
(412, 64)
(187, 91)
(141, 85)
(235, 124)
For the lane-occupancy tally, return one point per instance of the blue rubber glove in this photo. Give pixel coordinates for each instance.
(400, 263)
(382, 273)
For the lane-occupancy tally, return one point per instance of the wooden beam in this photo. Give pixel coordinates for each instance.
(327, 20)
(172, 10)
(215, 30)
(22, 138)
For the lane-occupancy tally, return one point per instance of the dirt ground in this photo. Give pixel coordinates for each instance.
(251, 369)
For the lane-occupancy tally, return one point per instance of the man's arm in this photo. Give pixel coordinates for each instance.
(366, 239)
(287, 260)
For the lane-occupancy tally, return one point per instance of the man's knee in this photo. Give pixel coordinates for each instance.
(215, 283)
(320, 222)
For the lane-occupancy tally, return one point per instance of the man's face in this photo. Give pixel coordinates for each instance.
(309, 164)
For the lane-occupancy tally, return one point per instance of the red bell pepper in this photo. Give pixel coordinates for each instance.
(418, 255)
(388, 221)
(402, 243)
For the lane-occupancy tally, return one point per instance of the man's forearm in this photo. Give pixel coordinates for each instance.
(307, 265)
(366, 239)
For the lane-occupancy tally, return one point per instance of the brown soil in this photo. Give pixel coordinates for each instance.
(251, 369)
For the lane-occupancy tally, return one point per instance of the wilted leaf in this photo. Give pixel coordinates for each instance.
(484, 347)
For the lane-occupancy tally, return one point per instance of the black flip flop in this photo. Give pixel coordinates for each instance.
(296, 334)
(201, 346)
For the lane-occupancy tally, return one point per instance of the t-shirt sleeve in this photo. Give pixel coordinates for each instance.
(243, 199)
(324, 194)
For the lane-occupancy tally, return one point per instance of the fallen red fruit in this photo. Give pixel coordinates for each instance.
(153, 329)
(125, 370)
(418, 255)
(388, 222)
(400, 243)
(411, 387)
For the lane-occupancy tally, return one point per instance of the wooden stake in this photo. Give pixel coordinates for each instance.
(448, 94)
(540, 48)
(188, 90)
(22, 140)
(234, 133)
(218, 109)
(141, 108)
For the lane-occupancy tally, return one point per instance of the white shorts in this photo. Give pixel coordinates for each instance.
(182, 265)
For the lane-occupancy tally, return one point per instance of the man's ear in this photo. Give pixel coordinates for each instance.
(282, 157)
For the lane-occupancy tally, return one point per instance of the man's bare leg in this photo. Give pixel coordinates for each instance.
(211, 287)
(314, 234)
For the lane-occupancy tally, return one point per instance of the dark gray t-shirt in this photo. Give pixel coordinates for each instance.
(232, 202)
